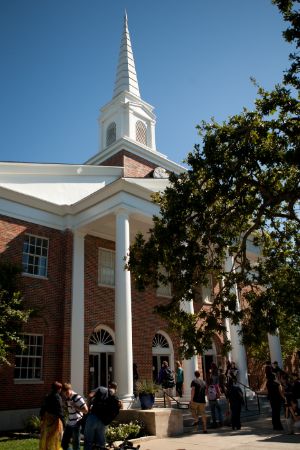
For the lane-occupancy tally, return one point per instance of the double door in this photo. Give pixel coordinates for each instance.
(101, 369)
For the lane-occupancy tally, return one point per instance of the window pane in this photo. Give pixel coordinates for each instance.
(35, 255)
(106, 267)
(28, 362)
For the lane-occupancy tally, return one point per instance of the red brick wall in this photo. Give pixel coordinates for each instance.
(51, 299)
(46, 297)
(100, 309)
(134, 166)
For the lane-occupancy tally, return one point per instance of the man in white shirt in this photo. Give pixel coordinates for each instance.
(76, 409)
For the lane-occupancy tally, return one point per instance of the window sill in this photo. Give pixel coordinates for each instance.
(30, 275)
(21, 381)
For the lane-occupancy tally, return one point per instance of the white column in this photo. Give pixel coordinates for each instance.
(123, 318)
(238, 353)
(77, 314)
(189, 365)
(275, 349)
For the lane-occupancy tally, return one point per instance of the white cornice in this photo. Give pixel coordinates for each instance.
(140, 150)
(75, 170)
(135, 196)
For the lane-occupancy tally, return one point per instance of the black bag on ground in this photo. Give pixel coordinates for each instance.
(105, 405)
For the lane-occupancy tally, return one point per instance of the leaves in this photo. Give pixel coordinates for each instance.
(12, 312)
(239, 198)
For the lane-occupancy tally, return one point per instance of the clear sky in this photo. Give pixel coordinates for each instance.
(194, 60)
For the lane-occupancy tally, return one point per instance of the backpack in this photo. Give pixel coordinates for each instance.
(168, 381)
(212, 392)
(105, 405)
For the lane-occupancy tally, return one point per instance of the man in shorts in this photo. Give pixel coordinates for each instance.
(198, 402)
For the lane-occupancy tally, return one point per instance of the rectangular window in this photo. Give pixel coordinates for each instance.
(207, 291)
(106, 275)
(28, 361)
(164, 290)
(35, 255)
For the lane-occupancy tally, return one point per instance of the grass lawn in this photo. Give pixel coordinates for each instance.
(7, 443)
(18, 444)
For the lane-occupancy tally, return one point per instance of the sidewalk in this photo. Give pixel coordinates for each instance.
(254, 435)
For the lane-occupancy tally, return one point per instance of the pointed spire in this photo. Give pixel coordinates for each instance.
(126, 79)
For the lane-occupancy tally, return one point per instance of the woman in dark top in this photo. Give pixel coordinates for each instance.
(236, 400)
(52, 419)
(277, 399)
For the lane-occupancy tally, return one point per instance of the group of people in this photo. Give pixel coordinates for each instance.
(89, 417)
(283, 392)
(218, 383)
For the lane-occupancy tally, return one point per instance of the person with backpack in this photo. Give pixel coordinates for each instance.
(76, 409)
(213, 394)
(105, 406)
(198, 402)
(167, 381)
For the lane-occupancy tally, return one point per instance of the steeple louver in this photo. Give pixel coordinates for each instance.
(126, 79)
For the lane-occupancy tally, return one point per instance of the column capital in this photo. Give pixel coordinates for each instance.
(122, 211)
(79, 233)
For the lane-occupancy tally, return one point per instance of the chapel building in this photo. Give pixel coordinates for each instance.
(69, 227)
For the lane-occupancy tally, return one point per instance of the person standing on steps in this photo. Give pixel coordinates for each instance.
(166, 379)
(236, 400)
(179, 378)
(198, 402)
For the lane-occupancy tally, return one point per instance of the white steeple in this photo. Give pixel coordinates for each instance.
(127, 119)
(126, 79)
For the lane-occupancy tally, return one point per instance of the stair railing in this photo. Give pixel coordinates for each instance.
(179, 404)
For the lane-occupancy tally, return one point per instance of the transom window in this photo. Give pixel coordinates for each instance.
(101, 337)
(28, 361)
(141, 132)
(106, 274)
(111, 133)
(160, 341)
(35, 255)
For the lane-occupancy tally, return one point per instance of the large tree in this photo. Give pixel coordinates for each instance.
(12, 311)
(239, 195)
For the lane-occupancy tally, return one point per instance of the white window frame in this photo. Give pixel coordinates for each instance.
(37, 258)
(27, 359)
(101, 279)
(207, 291)
(164, 290)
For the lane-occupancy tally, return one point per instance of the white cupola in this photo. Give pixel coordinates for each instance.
(127, 116)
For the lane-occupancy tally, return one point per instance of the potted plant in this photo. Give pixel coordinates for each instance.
(146, 390)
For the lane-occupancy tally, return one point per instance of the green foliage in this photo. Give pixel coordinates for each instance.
(123, 431)
(33, 424)
(147, 387)
(238, 198)
(12, 312)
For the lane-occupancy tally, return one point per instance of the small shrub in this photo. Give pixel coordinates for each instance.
(33, 424)
(123, 431)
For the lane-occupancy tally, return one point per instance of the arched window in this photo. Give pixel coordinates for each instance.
(141, 132)
(101, 337)
(111, 133)
(159, 341)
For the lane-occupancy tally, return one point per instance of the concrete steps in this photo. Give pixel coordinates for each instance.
(250, 411)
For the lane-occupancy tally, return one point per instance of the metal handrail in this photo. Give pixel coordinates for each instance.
(178, 403)
(257, 394)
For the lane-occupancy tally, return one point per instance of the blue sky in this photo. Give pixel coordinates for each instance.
(194, 60)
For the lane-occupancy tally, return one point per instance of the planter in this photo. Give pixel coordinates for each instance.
(147, 400)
